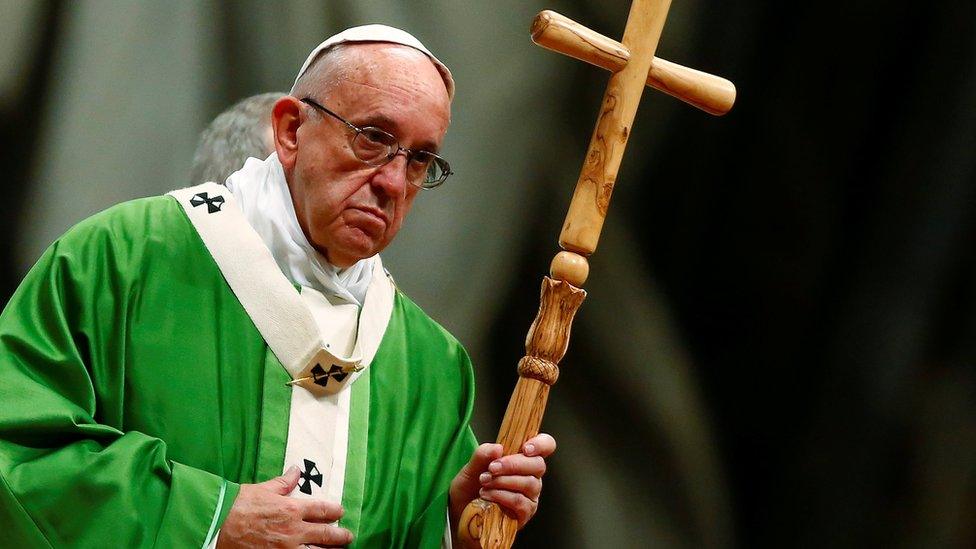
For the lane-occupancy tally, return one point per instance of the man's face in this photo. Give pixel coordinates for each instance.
(348, 210)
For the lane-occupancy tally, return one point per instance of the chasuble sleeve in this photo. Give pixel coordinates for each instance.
(70, 472)
(431, 528)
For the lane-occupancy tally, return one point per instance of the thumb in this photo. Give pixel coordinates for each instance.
(284, 484)
(482, 456)
(465, 486)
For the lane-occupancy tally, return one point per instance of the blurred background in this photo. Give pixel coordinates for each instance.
(779, 341)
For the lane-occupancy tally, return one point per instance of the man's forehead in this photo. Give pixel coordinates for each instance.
(376, 61)
(384, 65)
(376, 33)
(415, 110)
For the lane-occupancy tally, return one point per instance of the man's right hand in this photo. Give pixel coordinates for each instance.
(264, 516)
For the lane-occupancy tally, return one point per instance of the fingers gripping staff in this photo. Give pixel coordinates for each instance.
(483, 523)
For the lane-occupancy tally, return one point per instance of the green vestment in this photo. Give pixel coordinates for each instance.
(136, 395)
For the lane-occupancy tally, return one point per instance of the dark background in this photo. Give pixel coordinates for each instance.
(778, 345)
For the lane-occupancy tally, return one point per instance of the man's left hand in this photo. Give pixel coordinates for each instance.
(513, 482)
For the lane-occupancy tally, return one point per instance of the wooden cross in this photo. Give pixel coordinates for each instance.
(633, 64)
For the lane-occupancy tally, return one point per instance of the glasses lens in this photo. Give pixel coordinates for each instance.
(373, 145)
(437, 172)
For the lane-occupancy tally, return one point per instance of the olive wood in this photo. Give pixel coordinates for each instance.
(484, 524)
(571, 267)
(588, 209)
(710, 93)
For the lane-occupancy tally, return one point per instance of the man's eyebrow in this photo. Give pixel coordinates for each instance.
(390, 126)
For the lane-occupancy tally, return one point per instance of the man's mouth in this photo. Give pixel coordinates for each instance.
(376, 214)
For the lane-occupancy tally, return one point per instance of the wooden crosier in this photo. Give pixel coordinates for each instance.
(483, 524)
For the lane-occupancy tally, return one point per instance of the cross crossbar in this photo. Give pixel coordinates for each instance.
(556, 32)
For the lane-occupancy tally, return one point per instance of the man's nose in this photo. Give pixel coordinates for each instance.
(392, 176)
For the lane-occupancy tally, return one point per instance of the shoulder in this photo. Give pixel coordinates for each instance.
(130, 226)
(143, 215)
(122, 238)
(110, 250)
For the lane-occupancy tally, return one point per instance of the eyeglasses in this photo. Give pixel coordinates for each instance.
(376, 147)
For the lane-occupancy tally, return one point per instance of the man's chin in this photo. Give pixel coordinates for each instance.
(354, 246)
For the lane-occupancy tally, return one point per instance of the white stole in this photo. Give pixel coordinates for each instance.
(305, 331)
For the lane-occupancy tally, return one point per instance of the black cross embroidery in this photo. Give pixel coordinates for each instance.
(308, 476)
(322, 377)
(213, 204)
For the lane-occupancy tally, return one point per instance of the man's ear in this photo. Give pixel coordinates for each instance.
(286, 117)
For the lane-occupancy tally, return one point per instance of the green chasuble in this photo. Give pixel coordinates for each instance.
(136, 395)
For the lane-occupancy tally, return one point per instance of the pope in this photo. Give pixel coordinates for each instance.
(233, 366)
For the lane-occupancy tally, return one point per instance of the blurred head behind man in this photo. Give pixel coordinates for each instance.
(243, 131)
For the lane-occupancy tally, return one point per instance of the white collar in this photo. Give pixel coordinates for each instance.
(262, 192)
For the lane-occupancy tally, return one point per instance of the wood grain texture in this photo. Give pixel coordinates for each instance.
(484, 524)
(588, 209)
(710, 93)
(561, 34)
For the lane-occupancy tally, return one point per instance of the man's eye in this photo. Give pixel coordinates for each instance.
(422, 158)
(377, 136)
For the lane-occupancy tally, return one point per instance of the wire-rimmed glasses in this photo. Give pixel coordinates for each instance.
(376, 147)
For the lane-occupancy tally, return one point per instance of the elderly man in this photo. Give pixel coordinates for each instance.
(159, 371)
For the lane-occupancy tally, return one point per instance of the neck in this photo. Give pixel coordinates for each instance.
(265, 196)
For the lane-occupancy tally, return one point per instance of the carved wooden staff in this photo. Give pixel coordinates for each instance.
(633, 65)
